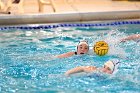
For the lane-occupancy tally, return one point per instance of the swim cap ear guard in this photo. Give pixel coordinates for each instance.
(116, 64)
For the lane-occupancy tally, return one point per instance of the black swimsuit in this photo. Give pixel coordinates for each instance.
(75, 53)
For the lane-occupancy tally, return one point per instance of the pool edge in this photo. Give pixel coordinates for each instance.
(67, 17)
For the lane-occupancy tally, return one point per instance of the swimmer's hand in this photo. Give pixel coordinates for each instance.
(123, 40)
(67, 74)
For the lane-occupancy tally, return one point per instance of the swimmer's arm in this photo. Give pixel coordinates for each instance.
(80, 69)
(74, 70)
(131, 37)
(89, 69)
(68, 54)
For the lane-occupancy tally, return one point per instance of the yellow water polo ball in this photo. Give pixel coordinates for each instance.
(101, 48)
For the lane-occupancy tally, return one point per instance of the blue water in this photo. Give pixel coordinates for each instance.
(27, 63)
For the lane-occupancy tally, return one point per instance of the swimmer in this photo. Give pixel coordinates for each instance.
(131, 37)
(108, 68)
(82, 48)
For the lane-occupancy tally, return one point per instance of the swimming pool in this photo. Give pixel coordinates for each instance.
(27, 63)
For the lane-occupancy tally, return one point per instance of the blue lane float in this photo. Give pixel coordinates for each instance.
(69, 25)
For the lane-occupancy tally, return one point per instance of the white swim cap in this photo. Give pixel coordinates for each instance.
(110, 64)
(83, 42)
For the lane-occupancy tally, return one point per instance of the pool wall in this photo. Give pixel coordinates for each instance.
(67, 17)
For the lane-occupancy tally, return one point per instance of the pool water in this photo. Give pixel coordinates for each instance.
(28, 65)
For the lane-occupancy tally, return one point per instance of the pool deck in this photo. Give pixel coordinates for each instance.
(66, 6)
(94, 5)
(75, 7)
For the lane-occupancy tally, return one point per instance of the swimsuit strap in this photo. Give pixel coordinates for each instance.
(75, 53)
